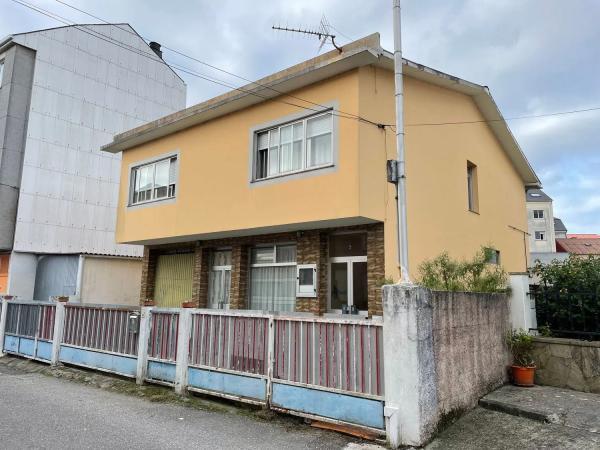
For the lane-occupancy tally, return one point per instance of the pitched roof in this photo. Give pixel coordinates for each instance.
(537, 195)
(559, 225)
(583, 236)
(363, 52)
(579, 246)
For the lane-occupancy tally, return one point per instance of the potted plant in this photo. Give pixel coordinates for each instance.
(149, 302)
(62, 298)
(523, 368)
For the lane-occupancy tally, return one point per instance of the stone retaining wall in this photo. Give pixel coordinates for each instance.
(568, 363)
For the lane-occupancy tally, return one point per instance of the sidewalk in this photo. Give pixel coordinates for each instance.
(547, 404)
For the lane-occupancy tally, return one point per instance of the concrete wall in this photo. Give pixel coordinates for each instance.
(470, 354)
(443, 351)
(111, 280)
(21, 275)
(15, 95)
(568, 363)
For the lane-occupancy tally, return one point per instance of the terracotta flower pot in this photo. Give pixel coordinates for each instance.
(62, 298)
(149, 302)
(523, 376)
(189, 304)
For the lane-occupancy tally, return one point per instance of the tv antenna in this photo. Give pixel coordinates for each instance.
(322, 33)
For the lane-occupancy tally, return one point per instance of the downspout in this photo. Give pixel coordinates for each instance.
(79, 278)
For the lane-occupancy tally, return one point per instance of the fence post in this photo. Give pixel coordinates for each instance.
(142, 354)
(3, 325)
(270, 359)
(183, 346)
(59, 321)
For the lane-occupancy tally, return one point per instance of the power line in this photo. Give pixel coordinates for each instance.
(531, 116)
(184, 69)
(194, 73)
(218, 68)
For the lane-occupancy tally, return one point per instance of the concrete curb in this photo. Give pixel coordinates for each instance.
(518, 411)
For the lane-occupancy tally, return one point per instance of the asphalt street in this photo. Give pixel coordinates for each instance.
(42, 412)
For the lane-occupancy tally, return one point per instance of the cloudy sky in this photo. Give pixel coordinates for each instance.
(537, 57)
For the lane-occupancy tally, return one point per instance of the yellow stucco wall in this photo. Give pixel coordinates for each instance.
(214, 194)
(436, 165)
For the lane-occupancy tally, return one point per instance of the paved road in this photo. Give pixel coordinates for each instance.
(38, 411)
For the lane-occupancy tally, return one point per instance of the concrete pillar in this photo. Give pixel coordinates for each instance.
(411, 402)
(144, 335)
(183, 346)
(522, 306)
(59, 325)
(3, 325)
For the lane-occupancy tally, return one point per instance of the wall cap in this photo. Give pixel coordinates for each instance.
(566, 341)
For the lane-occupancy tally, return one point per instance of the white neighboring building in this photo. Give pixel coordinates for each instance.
(64, 92)
(544, 228)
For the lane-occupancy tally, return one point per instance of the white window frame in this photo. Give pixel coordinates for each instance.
(538, 214)
(349, 260)
(133, 180)
(306, 290)
(305, 167)
(225, 268)
(274, 247)
(540, 233)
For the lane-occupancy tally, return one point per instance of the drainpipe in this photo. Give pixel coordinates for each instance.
(401, 184)
(79, 278)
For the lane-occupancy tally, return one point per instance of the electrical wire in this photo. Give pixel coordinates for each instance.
(212, 66)
(187, 70)
(217, 81)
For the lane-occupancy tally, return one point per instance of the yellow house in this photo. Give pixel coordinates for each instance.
(275, 197)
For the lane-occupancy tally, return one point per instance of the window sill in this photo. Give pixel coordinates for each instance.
(292, 174)
(160, 201)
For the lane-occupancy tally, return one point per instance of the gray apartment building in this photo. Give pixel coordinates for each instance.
(64, 92)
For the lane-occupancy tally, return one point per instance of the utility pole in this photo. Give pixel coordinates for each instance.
(401, 166)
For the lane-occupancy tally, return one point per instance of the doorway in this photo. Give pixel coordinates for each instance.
(219, 279)
(348, 272)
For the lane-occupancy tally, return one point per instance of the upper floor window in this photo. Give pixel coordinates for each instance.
(294, 147)
(538, 213)
(154, 181)
(472, 191)
(540, 235)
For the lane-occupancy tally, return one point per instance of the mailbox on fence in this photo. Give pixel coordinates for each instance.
(133, 324)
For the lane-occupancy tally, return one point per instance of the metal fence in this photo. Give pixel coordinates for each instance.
(331, 353)
(101, 328)
(230, 341)
(568, 314)
(164, 328)
(33, 320)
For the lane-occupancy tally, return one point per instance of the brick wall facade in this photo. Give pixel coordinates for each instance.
(312, 247)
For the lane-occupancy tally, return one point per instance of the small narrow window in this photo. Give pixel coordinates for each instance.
(540, 235)
(492, 255)
(472, 191)
(154, 181)
(538, 213)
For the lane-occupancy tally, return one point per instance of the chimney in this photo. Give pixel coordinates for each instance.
(155, 46)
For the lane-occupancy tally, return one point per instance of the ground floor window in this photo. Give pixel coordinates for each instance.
(273, 277)
(219, 279)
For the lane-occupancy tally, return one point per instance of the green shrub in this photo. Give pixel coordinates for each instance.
(444, 273)
(521, 346)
